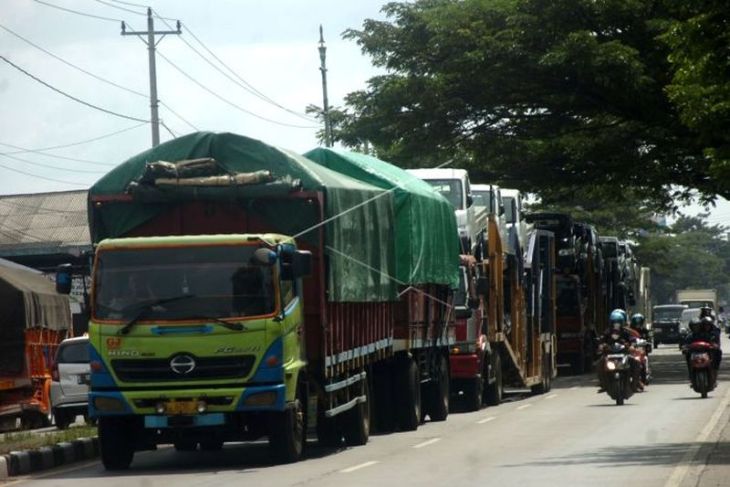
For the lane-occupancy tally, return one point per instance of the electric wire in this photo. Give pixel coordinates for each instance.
(78, 100)
(81, 142)
(131, 4)
(70, 183)
(174, 136)
(189, 124)
(241, 82)
(120, 8)
(54, 156)
(99, 17)
(226, 101)
(48, 166)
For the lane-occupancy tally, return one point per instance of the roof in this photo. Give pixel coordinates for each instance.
(43, 223)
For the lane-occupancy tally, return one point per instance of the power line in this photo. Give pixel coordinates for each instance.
(241, 82)
(178, 115)
(99, 17)
(228, 102)
(174, 136)
(42, 177)
(40, 164)
(90, 105)
(81, 142)
(118, 7)
(67, 63)
(131, 4)
(54, 156)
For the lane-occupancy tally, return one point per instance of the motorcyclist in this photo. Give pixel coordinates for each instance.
(704, 331)
(618, 331)
(638, 330)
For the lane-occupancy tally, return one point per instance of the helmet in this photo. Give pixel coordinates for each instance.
(617, 316)
(637, 321)
(707, 322)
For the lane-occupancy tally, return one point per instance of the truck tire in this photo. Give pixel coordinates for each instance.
(474, 394)
(288, 430)
(328, 432)
(438, 393)
(578, 364)
(356, 422)
(493, 392)
(62, 419)
(408, 395)
(116, 439)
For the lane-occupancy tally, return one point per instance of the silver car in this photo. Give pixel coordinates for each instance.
(70, 381)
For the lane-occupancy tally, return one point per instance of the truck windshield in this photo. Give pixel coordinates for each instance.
(668, 314)
(507, 200)
(450, 189)
(224, 281)
(483, 198)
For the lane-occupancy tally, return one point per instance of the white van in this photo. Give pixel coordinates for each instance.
(513, 217)
(454, 185)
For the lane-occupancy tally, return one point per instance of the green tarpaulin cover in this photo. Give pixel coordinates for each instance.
(427, 244)
(359, 237)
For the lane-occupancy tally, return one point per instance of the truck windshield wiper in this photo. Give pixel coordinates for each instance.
(230, 326)
(145, 307)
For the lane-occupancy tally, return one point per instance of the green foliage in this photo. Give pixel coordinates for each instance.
(691, 254)
(540, 95)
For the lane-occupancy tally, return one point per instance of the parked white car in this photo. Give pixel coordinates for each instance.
(454, 185)
(70, 381)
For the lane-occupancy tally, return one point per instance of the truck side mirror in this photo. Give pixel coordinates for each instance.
(469, 200)
(298, 264)
(63, 279)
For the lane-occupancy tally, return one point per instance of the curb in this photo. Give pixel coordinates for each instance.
(44, 458)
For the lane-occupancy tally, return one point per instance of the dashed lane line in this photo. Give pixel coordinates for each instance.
(524, 406)
(486, 420)
(426, 443)
(358, 467)
(551, 396)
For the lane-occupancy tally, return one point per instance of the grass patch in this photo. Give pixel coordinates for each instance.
(25, 440)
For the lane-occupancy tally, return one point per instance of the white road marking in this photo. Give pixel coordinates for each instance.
(358, 467)
(551, 396)
(426, 443)
(524, 406)
(686, 463)
(574, 388)
(486, 420)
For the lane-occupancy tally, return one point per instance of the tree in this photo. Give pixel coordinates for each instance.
(534, 94)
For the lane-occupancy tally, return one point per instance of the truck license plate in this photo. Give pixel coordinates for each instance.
(180, 407)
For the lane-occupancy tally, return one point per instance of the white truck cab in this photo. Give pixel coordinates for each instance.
(489, 197)
(517, 227)
(454, 185)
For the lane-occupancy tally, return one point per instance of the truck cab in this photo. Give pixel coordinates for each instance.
(489, 197)
(516, 226)
(454, 185)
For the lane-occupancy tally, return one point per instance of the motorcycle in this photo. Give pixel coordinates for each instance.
(618, 373)
(702, 371)
(641, 353)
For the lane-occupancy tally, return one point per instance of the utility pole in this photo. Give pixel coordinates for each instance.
(325, 103)
(151, 45)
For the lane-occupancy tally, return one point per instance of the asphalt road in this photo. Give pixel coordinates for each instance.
(571, 436)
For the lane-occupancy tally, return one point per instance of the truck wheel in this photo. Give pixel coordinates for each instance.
(288, 430)
(408, 395)
(356, 422)
(578, 364)
(473, 394)
(546, 381)
(437, 399)
(61, 418)
(328, 433)
(494, 391)
(116, 439)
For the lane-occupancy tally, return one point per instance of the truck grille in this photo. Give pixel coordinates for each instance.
(159, 370)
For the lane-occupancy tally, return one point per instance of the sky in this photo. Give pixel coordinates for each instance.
(270, 45)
